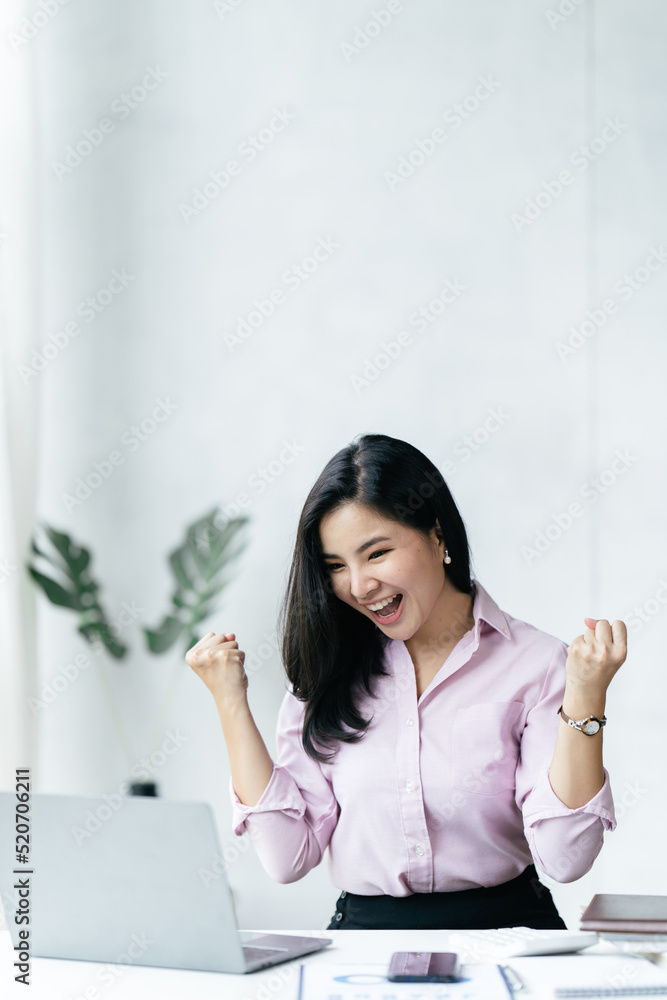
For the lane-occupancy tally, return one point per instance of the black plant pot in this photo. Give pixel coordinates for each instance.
(143, 788)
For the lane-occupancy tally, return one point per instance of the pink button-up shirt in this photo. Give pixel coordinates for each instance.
(444, 792)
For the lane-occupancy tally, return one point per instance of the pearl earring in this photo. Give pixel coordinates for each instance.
(447, 558)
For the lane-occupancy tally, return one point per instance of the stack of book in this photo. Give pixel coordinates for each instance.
(633, 923)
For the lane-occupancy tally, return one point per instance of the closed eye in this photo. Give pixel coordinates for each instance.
(332, 567)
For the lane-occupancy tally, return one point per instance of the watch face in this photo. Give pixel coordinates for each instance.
(591, 727)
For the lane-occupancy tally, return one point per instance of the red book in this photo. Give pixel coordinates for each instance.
(626, 914)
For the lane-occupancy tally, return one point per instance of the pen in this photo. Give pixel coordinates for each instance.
(513, 981)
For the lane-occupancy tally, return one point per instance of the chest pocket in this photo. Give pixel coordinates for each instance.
(485, 747)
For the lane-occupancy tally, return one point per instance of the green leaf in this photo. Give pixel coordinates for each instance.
(35, 548)
(200, 555)
(165, 635)
(221, 549)
(54, 591)
(89, 588)
(215, 587)
(178, 600)
(92, 615)
(79, 560)
(198, 566)
(60, 541)
(81, 596)
(231, 555)
(211, 591)
(177, 563)
(76, 557)
(100, 630)
(223, 537)
(199, 614)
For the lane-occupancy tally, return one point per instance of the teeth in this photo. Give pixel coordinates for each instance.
(381, 604)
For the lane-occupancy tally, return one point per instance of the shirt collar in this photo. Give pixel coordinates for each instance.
(485, 608)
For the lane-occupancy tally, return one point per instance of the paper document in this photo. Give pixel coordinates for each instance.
(592, 975)
(320, 981)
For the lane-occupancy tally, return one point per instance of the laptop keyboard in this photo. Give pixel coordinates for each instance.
(261, 954)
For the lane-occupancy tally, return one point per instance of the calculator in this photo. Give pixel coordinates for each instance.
(513, 942)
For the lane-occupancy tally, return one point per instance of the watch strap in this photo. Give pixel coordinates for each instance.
(579, 723)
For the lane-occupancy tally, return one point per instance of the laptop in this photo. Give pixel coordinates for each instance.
(132, 880)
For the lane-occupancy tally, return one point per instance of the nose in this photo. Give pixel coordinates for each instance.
(362, 585)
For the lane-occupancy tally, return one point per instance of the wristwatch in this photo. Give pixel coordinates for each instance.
(589, 726)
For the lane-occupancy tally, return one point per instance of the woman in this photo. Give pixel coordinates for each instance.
(424, 736)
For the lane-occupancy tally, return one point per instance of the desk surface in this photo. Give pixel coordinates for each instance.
(53, 979)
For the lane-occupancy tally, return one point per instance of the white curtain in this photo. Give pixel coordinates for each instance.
(19, 400)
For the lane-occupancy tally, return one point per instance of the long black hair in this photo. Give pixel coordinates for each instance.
(330, 651)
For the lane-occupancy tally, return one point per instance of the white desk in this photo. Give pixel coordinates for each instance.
(52, 979)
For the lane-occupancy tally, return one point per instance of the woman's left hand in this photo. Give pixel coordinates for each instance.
(594, 657)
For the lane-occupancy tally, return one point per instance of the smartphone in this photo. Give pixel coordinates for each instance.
(424, 967)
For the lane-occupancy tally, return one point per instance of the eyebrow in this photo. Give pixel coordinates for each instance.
(362, 548)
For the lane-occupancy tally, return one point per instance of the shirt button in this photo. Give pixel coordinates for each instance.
(409, 722)
(343, 894)
(339, 916)
(419, 850)
(409, 786)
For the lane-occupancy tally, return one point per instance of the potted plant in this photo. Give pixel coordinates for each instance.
(200, 566)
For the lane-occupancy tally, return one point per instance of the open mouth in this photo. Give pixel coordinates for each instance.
(390, 612)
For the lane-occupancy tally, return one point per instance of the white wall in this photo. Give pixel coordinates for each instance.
(324, 177)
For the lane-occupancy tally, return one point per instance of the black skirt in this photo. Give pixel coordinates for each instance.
(522, 902)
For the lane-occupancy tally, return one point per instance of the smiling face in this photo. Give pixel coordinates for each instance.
(369, 558)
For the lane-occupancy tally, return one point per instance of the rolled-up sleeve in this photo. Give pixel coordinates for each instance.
(564, 842)
(292, 823)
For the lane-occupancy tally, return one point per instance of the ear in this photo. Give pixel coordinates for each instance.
(436, 531)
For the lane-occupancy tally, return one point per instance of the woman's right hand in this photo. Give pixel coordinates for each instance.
(217, 659)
